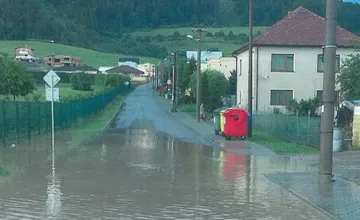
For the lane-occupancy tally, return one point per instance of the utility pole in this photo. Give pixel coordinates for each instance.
(177, 79)
(327, 117)
(174, 82)
(198, 74)
(161, 76)
(250, 80)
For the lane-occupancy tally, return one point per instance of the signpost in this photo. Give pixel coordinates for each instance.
(52, 94)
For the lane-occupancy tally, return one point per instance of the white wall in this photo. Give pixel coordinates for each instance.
(223, 64)
(128, 63)
(304, 81)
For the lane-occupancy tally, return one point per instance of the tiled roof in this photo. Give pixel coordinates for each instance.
(301, 27)
(125, 69)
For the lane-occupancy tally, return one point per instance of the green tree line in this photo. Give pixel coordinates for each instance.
(104, 24)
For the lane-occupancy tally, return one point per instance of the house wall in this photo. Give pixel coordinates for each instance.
(305, 81)
(223, 64)
(128, 63)
(147, 68)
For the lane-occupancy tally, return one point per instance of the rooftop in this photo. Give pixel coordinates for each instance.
(301, 27)
(125, 69)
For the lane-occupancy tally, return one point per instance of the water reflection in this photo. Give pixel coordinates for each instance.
(53, 202)
(156, 177)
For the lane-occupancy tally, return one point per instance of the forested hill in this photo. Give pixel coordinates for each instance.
(97, 23)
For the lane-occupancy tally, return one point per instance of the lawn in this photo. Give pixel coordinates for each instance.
(65, 90)
(275, 144)
(188, 30)
(89, 57)
(188, 44)
(280, 146)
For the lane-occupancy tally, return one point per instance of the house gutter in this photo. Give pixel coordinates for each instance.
(257, 79)
(236, 70)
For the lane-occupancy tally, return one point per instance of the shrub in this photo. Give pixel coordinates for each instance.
(81, 81)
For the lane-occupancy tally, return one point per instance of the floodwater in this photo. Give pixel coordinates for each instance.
(136, 170)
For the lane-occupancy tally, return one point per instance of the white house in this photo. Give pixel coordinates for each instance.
(204, 56)
(222, 64)
(103, 69)
(128, 61)
(287, 61)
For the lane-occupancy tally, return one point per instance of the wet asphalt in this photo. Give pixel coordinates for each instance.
(147, 165)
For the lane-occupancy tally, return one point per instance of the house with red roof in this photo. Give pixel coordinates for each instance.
(288, 60)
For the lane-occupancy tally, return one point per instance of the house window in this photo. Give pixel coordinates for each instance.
(281, 97)
(319, 94)
(320, 64)
(282, 62)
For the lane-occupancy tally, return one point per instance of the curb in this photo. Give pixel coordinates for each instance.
(201, 135)
(307, 201)
(122, 103)
(315, 206)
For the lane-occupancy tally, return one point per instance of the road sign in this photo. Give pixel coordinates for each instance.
(169, 82)
(51, 78)
(126, 83)
(55, 94)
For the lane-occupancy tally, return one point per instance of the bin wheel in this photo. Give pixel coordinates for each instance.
(227, 137)
(217, 132)
(243, 137)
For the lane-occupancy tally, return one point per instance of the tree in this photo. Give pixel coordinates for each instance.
(232, 82)
(349, 78)
(17, 81)
(81, 81)
(214, 87)
(187, 69)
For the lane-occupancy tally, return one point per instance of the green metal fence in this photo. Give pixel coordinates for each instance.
(20, 120)
(297, 129)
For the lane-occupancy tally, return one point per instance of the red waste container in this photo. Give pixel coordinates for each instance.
(235, 123)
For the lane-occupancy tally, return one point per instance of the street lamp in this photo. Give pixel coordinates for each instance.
(198, 72)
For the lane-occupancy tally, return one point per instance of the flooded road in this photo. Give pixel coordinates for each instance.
(141, 168)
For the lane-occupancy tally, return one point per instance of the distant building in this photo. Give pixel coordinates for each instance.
(25, 53)
(222, 64)
(61, 60)
(205, 55)
(76, 69)
(133, 62)
(103, 69)
(147, 68)
(135, 74)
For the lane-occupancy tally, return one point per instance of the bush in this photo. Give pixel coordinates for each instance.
(303, 107)
(81, 81)
(115, 80)
(214, 87)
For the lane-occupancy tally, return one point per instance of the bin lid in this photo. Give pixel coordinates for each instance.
(237, 111)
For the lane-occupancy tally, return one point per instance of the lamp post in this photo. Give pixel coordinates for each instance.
(198, 72)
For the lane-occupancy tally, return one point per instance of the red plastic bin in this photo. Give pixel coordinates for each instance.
(236, 121)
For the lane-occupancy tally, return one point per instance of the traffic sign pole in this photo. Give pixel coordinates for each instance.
(52, 121)
(51, 78)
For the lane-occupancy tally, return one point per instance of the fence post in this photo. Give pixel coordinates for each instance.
(17, 122)
(39, 117)
(297, 125)
(28, 120)
(4, 123)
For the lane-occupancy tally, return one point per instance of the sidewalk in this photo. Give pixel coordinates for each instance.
(339, 200)
(207, 131)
